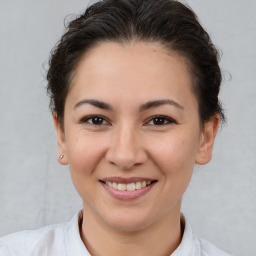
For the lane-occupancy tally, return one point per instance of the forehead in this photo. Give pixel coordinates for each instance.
(135, 71)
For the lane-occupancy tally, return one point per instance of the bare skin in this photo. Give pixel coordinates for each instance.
(141, 242)
(131, 114)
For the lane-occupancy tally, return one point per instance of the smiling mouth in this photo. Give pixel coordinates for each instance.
(132, 186)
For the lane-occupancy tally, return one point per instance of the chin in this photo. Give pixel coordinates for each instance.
(128, 225)
(128, 222)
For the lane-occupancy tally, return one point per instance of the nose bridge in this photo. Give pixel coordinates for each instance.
(125, 148)
(126, 135)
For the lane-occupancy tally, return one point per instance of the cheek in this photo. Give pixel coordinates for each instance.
(175, 159)
(84, 153)
(176, 154)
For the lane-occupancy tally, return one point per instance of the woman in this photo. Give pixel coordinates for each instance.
(134, 94)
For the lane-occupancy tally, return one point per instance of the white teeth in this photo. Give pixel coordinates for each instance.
(131, 186)
(109, 183)
(121, 186)
(114, 185)
(138, 185)
(128, 187)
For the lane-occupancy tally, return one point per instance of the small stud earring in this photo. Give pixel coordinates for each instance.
(61, 156)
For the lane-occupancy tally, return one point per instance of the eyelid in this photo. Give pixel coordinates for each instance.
(86, 118)
(169, 119)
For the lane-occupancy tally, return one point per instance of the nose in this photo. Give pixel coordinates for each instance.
(125, 149)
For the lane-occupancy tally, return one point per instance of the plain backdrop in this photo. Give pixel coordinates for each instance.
(35, 190)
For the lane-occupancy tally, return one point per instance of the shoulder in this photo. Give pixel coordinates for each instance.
(207, 248)
(34, 242)
(194, 245)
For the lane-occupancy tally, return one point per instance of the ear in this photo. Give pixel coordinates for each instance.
(208, 134)
(61, 141)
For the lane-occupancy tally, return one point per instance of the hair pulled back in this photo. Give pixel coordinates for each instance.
(168, 22)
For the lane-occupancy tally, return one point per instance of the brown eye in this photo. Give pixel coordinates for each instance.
(160, 120)
(95, 120)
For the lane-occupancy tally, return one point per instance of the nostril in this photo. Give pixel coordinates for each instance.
(122, 161)
(125, 155)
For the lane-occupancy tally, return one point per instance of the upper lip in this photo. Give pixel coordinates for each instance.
(126, 180)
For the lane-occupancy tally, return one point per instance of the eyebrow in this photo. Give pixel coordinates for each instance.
(95, 103)
(143, 107)
(157, 103)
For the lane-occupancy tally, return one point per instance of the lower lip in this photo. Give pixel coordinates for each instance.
(125, 194)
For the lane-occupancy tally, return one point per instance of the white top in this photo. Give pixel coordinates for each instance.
(64, 240)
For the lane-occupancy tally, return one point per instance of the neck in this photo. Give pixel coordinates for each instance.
(101, 239)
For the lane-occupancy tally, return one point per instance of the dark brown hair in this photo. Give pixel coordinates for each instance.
(168, 22)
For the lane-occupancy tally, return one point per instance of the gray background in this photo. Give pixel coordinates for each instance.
(35, 190)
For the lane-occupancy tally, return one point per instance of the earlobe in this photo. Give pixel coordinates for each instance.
(62, 156)
(209, 132)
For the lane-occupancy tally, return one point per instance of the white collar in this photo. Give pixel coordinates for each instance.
(74, 243)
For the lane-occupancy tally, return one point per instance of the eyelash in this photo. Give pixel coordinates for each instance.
(166, 120)
(86, 120)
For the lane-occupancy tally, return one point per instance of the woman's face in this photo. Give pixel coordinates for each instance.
(132, 133)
